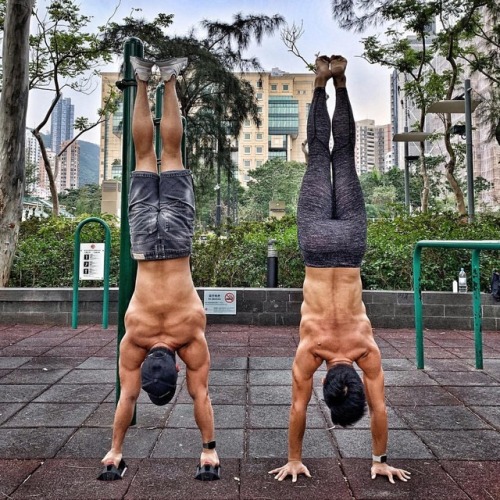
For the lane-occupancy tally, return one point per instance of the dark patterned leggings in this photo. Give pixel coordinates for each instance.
(331, 216)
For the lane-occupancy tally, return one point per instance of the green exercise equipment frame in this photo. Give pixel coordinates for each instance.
(76, 270)
(476, 247)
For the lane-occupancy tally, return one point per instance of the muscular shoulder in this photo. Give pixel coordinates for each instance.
(306, 362)
(131, 354)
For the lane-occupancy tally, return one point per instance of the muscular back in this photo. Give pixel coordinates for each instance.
(165, 307)
(334, 323)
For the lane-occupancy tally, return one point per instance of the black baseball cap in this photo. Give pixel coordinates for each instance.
(159, 375)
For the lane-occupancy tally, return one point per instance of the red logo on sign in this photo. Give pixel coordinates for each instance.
(229, 298)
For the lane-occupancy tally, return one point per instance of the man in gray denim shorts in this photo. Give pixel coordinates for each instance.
(165, 315)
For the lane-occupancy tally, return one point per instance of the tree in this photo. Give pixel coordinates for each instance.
(84, 200)
(63, 56)
(459, 21)
(277, 180)
(214, 98)
(13, 108)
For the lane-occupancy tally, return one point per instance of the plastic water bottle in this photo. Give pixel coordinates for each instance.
(462, 281)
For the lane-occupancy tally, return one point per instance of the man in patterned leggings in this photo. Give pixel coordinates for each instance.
(334, 326)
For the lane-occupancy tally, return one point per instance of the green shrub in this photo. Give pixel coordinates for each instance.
(238, 257)
(45, 251)
(389, 257)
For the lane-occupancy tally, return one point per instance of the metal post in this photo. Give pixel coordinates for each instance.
(160, 90)
(272, 265)
(407, 175)
(468, 152)
(128, 267)
(417, 295)
(218, 208)
(476, 298)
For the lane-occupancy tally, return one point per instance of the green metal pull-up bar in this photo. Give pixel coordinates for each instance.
(476, 247)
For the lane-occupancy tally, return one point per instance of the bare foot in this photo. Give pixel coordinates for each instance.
(337, 70)
(322, 71)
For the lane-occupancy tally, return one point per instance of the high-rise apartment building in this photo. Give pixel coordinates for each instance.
(32, 148)
(62, 123)
(486, 153)
(373, 142)
(43, 188)
(69, 167)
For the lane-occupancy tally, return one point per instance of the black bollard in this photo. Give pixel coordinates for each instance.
(272, 265)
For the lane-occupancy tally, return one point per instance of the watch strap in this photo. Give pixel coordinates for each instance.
(381, 459)
(209, 446)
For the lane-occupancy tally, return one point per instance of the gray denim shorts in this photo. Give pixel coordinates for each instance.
(161, 214)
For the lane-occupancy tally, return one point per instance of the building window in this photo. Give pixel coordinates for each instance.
(246, 163)
(259, 83)
(247, 136)
(285, 87)
(259, 109)
(247, 150)
(259, 137)
(259, 96)
(259, 163)
(246, 123)
(259, 150)
(274, 87)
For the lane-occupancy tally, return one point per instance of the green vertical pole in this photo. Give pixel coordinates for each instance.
(158, 112)
(476, 298)
(107, 254)
(183, 142)
(417, 295)
(128, 267)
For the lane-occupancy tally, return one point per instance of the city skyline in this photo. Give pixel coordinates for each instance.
(321, 34)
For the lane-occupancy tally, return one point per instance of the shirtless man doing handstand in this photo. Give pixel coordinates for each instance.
(165, 315)
(334, 326)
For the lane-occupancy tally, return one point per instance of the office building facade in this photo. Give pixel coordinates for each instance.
(62, 123)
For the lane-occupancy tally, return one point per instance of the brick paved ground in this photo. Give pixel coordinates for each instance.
(57, 404)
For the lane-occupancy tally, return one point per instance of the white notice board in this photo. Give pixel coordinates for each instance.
(92, 261)
(220, 301)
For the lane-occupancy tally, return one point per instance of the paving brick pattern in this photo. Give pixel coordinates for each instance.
(57, 405)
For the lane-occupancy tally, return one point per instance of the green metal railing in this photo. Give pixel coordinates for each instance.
(76, 270)
(476, 247)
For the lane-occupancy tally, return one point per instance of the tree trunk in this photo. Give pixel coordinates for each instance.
(51, 175)
(450, 169)
(13, 108)
(424, 198)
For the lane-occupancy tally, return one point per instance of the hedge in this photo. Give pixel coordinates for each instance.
(237, 257)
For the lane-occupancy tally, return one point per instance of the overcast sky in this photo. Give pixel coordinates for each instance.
(368, 84)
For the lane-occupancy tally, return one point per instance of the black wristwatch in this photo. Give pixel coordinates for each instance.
(209, 446)
(381, 459)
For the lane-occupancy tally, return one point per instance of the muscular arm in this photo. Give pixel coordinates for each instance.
(304, 367)
(373, 379)
(131, 358)
(374, 388)
(197, 359)
(302, 386)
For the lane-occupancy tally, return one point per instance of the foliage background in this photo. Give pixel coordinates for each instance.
(236, 256)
